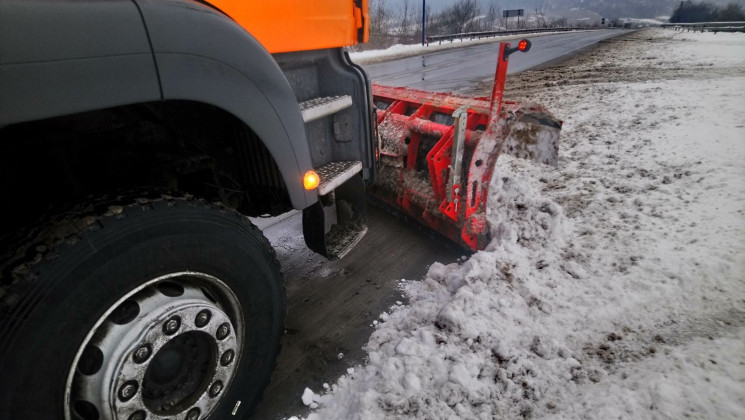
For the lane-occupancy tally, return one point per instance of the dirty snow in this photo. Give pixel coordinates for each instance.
(614, 286)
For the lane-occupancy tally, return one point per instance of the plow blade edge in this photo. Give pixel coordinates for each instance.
(438, 152)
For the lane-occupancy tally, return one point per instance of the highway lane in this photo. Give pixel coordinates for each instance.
(458, 68)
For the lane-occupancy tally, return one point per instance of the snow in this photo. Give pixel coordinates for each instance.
(400, 50)
(650, 22)
(614, 287)
(308, 396)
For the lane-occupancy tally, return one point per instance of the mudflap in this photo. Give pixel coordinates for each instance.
(337, 221)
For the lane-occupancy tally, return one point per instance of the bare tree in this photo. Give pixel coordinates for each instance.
(540, 19)
(688, 11)
(461, 16)
(559, 22)
(380, 21)
(731, 12)
(502, 22)
(435, 23)
(404, 23)
(417, 22)
(492, 17)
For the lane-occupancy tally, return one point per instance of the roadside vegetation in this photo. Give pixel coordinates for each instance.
(689, 11)
(400, 22)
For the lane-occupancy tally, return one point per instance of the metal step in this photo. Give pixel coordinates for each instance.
(334, 174)
(332, 228)
(320, 107)
(339, 243)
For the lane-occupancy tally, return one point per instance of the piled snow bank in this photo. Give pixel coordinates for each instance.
(401, 51)
(614, 287)
(637, 22)
(464, 327)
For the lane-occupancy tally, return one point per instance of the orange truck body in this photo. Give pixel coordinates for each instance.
(304, 24)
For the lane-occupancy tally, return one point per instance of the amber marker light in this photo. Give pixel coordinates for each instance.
(311, 180)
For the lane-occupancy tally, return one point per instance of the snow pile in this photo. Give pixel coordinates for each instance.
(440, 355)
(614, 287)
(644, 22)
(408, 50)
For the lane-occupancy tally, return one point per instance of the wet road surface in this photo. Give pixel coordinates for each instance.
(331, 305)
(457, 69)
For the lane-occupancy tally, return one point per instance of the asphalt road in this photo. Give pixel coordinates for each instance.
(457, 69)
(331, 305)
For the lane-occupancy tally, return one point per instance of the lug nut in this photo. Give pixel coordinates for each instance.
(223, 331)
(203, 318)
(193, 414)
(137, 415)
(216, 389)
(172, 325)
(127, 391)
(142, 354)
(227, 357)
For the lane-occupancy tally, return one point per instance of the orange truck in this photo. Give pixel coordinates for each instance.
(137, 137)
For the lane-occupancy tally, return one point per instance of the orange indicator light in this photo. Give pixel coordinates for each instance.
(311, 180)
(522, 45)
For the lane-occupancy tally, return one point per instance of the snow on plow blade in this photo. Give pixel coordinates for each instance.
(438, 151)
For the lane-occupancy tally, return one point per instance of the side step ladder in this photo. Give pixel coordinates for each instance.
(338, 221)
(317, 108)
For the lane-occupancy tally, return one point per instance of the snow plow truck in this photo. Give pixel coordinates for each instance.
(138, 136)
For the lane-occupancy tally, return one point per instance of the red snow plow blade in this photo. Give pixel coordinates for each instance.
(438, 151)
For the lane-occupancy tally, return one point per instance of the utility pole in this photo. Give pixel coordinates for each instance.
(424, 14)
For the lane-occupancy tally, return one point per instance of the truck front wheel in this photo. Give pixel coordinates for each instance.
(139, 308)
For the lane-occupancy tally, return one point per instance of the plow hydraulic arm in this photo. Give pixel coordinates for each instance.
(438, 151)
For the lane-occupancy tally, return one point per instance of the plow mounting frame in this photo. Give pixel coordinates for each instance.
(438, 151)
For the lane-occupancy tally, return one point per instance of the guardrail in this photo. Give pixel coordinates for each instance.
(707, 26)
(488, 34)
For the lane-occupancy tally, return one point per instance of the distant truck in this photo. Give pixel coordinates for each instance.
(126, 291)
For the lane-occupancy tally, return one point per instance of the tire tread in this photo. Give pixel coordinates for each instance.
(44, 242)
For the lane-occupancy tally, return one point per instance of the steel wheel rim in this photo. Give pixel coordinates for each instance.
(168, 349)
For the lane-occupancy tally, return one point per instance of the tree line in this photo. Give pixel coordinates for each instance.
(402, 23)
(689, 11)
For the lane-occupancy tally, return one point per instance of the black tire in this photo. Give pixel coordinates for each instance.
(68, 273)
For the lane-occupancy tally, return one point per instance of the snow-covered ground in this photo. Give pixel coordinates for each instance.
(615, 286)
(645, 22)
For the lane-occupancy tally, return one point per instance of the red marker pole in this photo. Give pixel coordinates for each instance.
(500, 77)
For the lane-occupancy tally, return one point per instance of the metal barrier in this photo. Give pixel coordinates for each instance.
(707, 26)
(487, 34)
